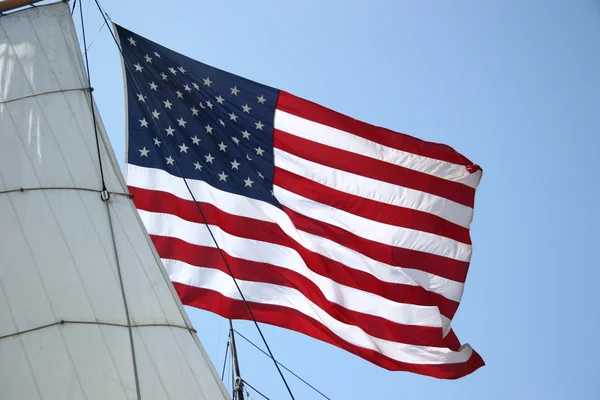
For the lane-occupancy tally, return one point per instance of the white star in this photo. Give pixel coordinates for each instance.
(197, 166)
(196, 140)
(156, 54)
(170, 160)
(155, 114)
(148, 58)
(246, 108)
(209, 104)
(141, 97)
(187, 88)
(167, 104)
(260, 175)
(172, 70)
(143, 123)
(209, 158)
(181, 122)
(245, 134)
(222, 146)
(248, 182)
(259, 151)
(236, 140)
(221, 122)
(181, 69)
(195, 85)
(144, 152)
(207, 81)
(138, 67)
(234, 90)
(233, 117)
(261, 99)
(153, 85)
(163, 76)
(219, 99)
(223, 176)
(179, 94)
(194, 110)
(259, 125)
(209, 129)
(132, 41)
(156, 142)
(183, 148)
(170, 131)
(235, 165)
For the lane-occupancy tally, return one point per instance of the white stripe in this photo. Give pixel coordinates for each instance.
(342, 140)
(375, 190)
(157, 179)
(285, 257)
(373, 230)
(266, 293)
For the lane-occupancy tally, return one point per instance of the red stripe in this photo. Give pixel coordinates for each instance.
(209, 257)
(294, 320)
(370, 209)
(317, 113)
(374, 169)
(162, 202)
(390, 255)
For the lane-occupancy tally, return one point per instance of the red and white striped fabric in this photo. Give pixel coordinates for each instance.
(370, 252)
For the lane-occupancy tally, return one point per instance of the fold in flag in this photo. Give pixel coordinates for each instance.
(349, 233)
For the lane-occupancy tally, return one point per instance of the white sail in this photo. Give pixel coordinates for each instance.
(57, 255)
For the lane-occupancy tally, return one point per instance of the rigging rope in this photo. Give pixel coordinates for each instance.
(225, 361)
(105, 196)
(255, 389)
(201, 213)
(286, 368)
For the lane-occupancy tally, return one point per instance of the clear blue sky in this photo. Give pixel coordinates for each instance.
(513, 85)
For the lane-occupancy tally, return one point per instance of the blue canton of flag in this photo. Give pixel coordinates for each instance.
(199, 122)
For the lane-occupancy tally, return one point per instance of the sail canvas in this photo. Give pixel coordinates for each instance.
(86, 309)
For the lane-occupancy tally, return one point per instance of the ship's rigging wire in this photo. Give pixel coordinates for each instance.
(105, 196)
(283, 366)
(255, 389)
(225, 360)
(103, 24)
(200, 212)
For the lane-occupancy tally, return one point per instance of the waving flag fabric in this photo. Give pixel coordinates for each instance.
(347, 232)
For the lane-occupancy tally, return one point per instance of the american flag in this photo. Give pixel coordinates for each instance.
(347, 232)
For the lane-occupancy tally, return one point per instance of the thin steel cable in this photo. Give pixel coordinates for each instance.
(225, 360)
(255, 389)
(201, 214)
(286, 368)
(103, 25)
(105, 198)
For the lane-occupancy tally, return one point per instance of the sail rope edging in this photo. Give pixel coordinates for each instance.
(114, 324)
(201, 213)
(21, 190)
(105, 196)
